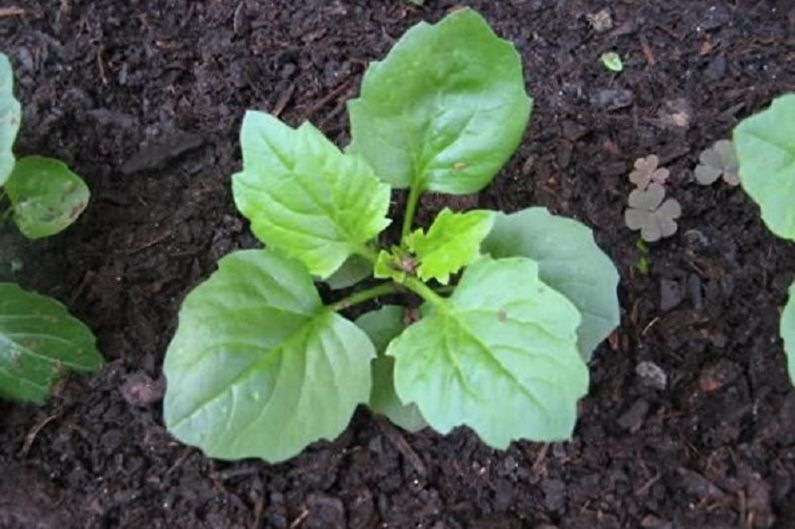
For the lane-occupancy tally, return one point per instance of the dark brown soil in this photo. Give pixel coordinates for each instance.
(144, 99)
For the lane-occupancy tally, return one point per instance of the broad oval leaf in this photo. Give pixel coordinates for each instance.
(46, 196)
(259, 367)
(788, 332)
(39, 340)
(305, 197)
(382, 326)
(10, 118)
(765, 145)
(500, 359)
(444, 110)
(569, 261)
(452, 242)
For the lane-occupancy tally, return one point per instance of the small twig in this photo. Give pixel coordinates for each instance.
(394, 436)
(34, 433)
(647, 51)
(11, 12)
(327, 98)
(301, 518)
(281, 104)
(181, 459)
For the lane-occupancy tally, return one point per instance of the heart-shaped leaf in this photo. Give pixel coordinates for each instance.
(259, 367)
(648, 213)
(716, 161)
(10, 118)
(46, 196)
(765, 146)
(788, 332)
(569, 261)
(500, 359)
(304, 196)
(39, 340)
(646, 172)
(452, 242)
(382, 326)
(444, 110)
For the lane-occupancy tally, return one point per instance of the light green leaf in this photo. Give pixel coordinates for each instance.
(788, 332)
(353, 270)
(46, 196)
(765, 145)
(39, 340)
(452, 242)
(500, 359)
(259, 367)
(612, 61)
(304, 196)
(569, 261)
(444, 110)
(10, 118)
(382, 326)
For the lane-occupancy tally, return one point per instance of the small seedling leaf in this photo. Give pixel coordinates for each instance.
(717, 161)
(259, 367)
(648, 213)
(46, 196)
(765, 146)
(305, 197)
(382, 326)
(788, 332)
(492, 344)
(568, 261)
(612, 61)
(10, 118)
(452, 242)
(39, 340)
(444, 110)
(646, 172)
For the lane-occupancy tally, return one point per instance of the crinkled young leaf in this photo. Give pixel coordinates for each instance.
(452, 242)
(788, 332)
(39, 340)
(47, 197)
(569, 261)
(500, 359)
(765, 147)
(382, 326)
(305, 197)
(444, 110)
(10, 118)
(259, 367)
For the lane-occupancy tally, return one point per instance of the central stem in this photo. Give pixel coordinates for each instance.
(364, 295)
(411, 208)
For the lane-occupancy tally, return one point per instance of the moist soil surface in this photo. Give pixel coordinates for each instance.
(690, 418)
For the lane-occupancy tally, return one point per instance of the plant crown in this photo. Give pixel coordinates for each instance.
(512, 305)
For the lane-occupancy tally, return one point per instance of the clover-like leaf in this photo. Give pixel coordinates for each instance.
(259, 367)
(304, 196)
(717, 161)
(46, 196)
(500, 359)
(452, 242)
(444, 110)
(765, 146)
(568, 261)
(788, 332)
(39, 340)
(382, 326)
(648, 213)
(646, 172)
(10, 118)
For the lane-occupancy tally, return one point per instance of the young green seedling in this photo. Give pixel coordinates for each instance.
(765, 147)
(260, 366)
(39, 340)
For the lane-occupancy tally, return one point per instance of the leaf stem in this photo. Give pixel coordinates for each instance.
(425, 292)
(368, 253)
(411, 207)
(364, 295)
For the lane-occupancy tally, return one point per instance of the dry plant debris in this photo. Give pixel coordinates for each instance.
(651, 214)
(718, 161)
(647, 171)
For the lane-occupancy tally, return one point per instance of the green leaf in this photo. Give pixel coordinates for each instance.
(46, 196)
(444, 110)
(353, 270)
(500, 359)
(612, 61)
(304, 196)
(259, 367)
(569, 261)
(382, 326)
(452, 242)
(39, 340)
(765, 145)
(788, 332)
(10, 118)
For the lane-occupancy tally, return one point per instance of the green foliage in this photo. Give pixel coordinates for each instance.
(788, 332)
(10, 118)
(39, 341)
(612, 61)
(260, 367)
(765, 145)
